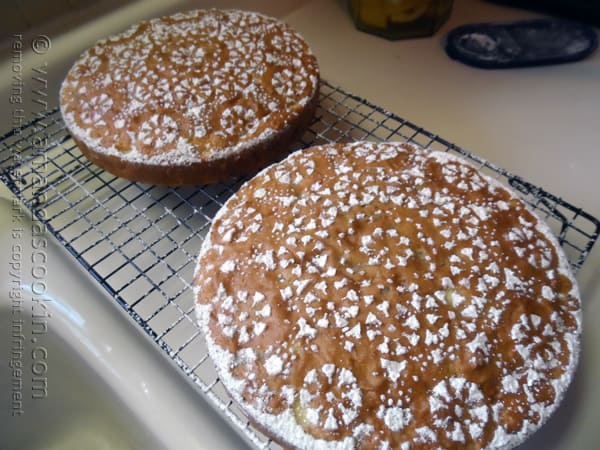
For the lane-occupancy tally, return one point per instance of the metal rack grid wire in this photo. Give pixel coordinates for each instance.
(140, 241)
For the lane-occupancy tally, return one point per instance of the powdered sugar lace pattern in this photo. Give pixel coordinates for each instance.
(189, 87)
(384, 296)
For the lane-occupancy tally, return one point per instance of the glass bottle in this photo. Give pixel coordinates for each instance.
(400, 19)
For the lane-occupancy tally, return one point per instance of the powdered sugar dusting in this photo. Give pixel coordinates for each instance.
(188, 87)
(400, 311)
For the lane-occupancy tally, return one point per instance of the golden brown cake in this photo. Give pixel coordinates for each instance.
(191, 98)
(382, 296)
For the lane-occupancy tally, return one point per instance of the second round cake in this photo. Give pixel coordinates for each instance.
(192, 98)
(381, 296)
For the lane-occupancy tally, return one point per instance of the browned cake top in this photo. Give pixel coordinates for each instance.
(189, 87)
(383, 296)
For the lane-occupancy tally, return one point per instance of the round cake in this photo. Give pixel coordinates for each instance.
(191, 98)
(383, 296)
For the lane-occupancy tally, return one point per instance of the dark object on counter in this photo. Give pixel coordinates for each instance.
(393, 19)
(587, 11)
(521, 44)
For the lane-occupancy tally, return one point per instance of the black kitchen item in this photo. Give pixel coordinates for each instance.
(520, 44)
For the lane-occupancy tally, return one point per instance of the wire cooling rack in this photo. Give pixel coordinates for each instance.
(140, 241)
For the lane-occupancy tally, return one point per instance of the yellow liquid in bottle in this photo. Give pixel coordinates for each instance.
(398, 19)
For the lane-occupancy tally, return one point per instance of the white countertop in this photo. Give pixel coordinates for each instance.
(540, 123)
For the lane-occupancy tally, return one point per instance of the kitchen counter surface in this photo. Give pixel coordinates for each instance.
(540, 123)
